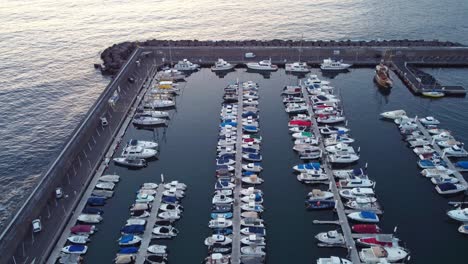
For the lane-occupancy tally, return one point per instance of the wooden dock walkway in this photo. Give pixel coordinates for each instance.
(236, 219)
(340, 210)
(150, 222)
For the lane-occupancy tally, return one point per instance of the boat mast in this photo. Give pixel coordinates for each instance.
(300, 47)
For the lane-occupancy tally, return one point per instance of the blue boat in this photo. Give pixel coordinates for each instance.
(248, 173)
(223, 161)
(249, 113)
(221, 208)
(170, 199)
(227, 156)
(249, 150)
(222, 231)
(256, 230)
(252, 157)
(221, 184)
(96, 201)
(128, 250)
(250, 129)
(429, 164)
(133, 229)
(462, 165)
(319, 205)
(91, 210)
(223, 215)
(308, 166)
(77, 249)
(223, 124)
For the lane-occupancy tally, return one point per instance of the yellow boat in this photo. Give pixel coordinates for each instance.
(165, 85)
(433, 94)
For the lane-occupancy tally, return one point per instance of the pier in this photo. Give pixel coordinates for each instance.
(339, 207)
(150, 222)
(236, 220)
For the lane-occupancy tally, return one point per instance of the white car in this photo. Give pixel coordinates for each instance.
(249, 55)
(104, 121)
(37, 226)
(58, 193)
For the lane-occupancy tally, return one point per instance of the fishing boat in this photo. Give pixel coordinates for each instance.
(364, 216)
(130, 162)
(164, 232)
(382, 76)
(433, 94)
(75, 249)
(450, 188)
(366, 228)
(333, 260)
(297, 67)
(395, 114)
(377, 254)
(222, 65)
(138, 152)
(264, 65)
(333, 65)
(186, 65)
(332, 237)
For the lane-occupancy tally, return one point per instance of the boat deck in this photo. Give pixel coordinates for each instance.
(340, 210)
(236, 219)
(150, 222)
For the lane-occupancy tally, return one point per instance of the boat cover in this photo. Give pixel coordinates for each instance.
(76, 248)
(447, 186)
(257, 230)
(133, 229)
(310, 166)
(254, 156)
(250, 128)
(169, 199)
(358, 172)
(90, 210)
(249, 150)
(126, 238)
(96, 200)
(81, 229)
(368, 215)
(462, 164)
(128, 250)
(248, 173)
(133, 142)
(222, 231)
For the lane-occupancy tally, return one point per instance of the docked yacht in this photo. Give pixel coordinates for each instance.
(293, 108)
(144, 120)
(393, 114)
(138, 152)
(292, 90)
(220, 223)
(319, 195)
(332, 237)
(143, 144)
(153, 113)
(364, 216)
(169, 215)
(450, 188)
(332, 65)
(340, 148)
(297, 67)
(455, 151)
(382, 76)
(218, 240)
(254, 167)
(357, 192)
(333, 260)
(157, 249)
(264, 65)
(253, 240)
(378, 254)
(343, 158)
(222, 199)
(444, 179)
(429, 120)
(130, 162)
(329, 130)
(312, 177)
(356, 182)
(186, 65)
(164, 232)
(217, 258)
(378, 240)
(222, 65)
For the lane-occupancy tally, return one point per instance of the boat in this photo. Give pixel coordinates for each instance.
(332, 237)
(253, 250)
(252, 157)
(310, 154)
(138, 152)
(171, 75)
(424, 150)
(332, 65)
(343, 158)
(144, 198)
(363, 204)
(395, 114)
(249, 214)
(171, 207)
(220, 223)
(131, 162)
(433, 94)
(335, 139)
(320, 205)
(461, 165)
(340, 148)
(252, 179)
(430, 163)
(153, 113)
(450, 188)
(303, 135)
(222, 65)
(356, 192)
(75, 249)
(307, 167)
(143, 144)
(164, 232)
(128, 240)
(155, 259)
(382, 76)
(297, 67)
(169, 215)
(92, 210)
(264, 65)
(333, 260)
(133, 229)
(319, 195)
(257, 198)
(306, 147)
(354, 182)
(299, 123)
(142, 120)
(252, 206)
(149, 185)
(420, 142)
(254, 167)
(378, 240)
(157, 249)
(293, 99)
(463, 229)
(312, 177)
(250, 190)
(293, 108)
(78, 239)
(186, 65)
(364, 216)
(292, 90)
(105, 185)
(366, 228)
(377, 254)
(89, 218)
(330, 119)
(444, 179)
(125, 259)
(222, 199)
(217, 240)
(159, 103)
(429, 120)
(448, 143)
(70, 259)
(455, 151)
(227, 215)
(218, 258)
(344, 174)
(249, 221)
(83, 230)
(175, 184)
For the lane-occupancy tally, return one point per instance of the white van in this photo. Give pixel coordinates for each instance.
(37, 226)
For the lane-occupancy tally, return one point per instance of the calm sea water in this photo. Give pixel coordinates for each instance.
(48, 48)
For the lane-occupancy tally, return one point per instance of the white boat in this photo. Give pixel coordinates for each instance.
(306, 147)
(429, 120)
(253, 240)
(165, 232)
(433, 94)
(351, 173)
(436, 131)
(250, 190)
(448, 143)
(222, 65)
(169, 215)
(160, 103)
(252, 206)
(252, 198)
(455, 151)
(175, 184)
(444, 179)
(219, 223)
(153, 113)
(356, 182)
(77, 239)
(450, 188)
(171, 75)
(418, 143)
(138, 152)
(128, 240)
(218, 240)
(378, 254)
(218, 258)
(332, 65)
(149, 185)
(186, 65)
(105, 185)
(90, 218)
(254, 167)
(250, 214)
(343, 158)
(75, 249)
(319, 195)
(253, 250)
(333, 260)
(173, 192)
(250, 102)
(329, 130)
(252, 179)
(335, 139)
(144, 198)
(251, 221)
(340, 148)
(330, 119)
(130, 162)
(423, 150)
(109, 178)
(292, 108)
(463, 229)
(312, 177)
(437, 171)
(157, 249)
(264, 65)
(443, 137)
(332, 237)
(297, 67)
(393, 114)
(362, 204)
(133, 221)
(251, 145)
(222, 199)
(357, 192)
(364, 216)
(148, 120)
(143, 144)
(171, 207)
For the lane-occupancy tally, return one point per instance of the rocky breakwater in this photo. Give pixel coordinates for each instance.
(115, 56)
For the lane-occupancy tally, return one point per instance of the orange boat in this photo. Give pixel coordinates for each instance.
(382, 76)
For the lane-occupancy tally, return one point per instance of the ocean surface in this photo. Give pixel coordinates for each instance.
(48, 82)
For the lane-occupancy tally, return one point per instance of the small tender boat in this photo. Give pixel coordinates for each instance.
(264, 65)
(433, 94)
(75, 249)
(157, 249)
(90, 218)
(164, 232)
(450, 188)
(320, 205)
(332, 237)
(78, 239)
(429, 120)
(366, 228)
(128, 240)
(364, 216)
(218, 240)
(393, 114)
(131, 162)
(186, 65)
(105, 185)
(332, 65)
(297, 67)
(333, 260)
(377, 254)
(222, 65)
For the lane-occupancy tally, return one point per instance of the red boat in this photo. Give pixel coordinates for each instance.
(378, 240)
(366, 228)
(247, 140)
(83, 229)
(299, 123)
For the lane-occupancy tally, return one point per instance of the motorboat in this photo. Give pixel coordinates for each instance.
(221, 199)
(106, 194)
(433, 94)
(250, 214)
(354, 193)
(292, 90)
(333, 65)
(92, 210)
(332, 237)
(155, 259)
(227, 215)
(319, 195)
(169, 215)
(330, 119)
(436, 131)
(133, 230)
(356, 182)
(252, 206)
(444, 179)
(335, 139)
(157, 249)
(249, 221)
(448, 143)
(364, 216)
(418, 143)
(222, 65)
(143, 144)
(109, 178)
(218, 240)
(463, 229)
(310, 154)
(153, 113)
(305, 140)
(175, 184)
(302, 117)
(378, 240)
(75, 249)
(158, 103)
(333, 260)
(252, 179)
(105, 185)
(78, 239)
(350, 173)
(96, 201)
(83, 230)
(220, 223)
(217, 258)
(250, 190)
(320, 205)
(144, 198)
(253, 250)
(307, 167)
(429, 120)
(128, 240)
(377, 254)
(164, 232)
(430, 163)
(455, 151)
(461, 165)
(450, 188)
(306, 147)
(264, 65)
(252, 157)
(253, 240)
(293, 99)
(221, 208)
(171, 75)
(329, 130)
(257, 198)
(395, 114)
(149, 185)
(293, 108)
(138, 152)
(423, 150)
(222, 185)
(299, 123)
(327, 111)
(186, 65)
(130, 162)
(444, 136)
(250, 129)
(254, 167)
(364, 204)
(312, 177)
(90, 218)
(382, 76)
(171, 207)
(343, 158)
(366, 229)
(225, 161)
(297, 67)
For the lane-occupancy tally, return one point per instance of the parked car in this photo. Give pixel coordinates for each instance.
(58, 193)
(37, 226)
(104, 121)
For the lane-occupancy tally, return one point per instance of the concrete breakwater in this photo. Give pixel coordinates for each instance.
(115, 56)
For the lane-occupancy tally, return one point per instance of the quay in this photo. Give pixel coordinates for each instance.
(339, 207)
(236, 220)
(150, 222)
